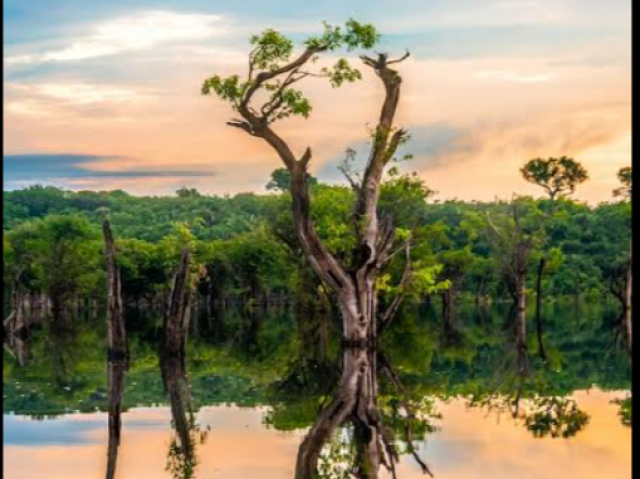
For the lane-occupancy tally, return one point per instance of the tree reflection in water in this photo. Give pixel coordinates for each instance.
(17, 347)
(519, 394)
(354, 435)
(182, 458)
(116, 378)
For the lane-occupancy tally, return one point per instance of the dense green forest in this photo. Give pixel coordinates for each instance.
(245, 250)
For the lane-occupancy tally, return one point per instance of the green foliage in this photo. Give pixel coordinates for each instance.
(626, 411)
(271, 48)
(586, 247)
(555, 417)
(272, 54)
(558, 176)
(281, 180)
(353, 35)
(625, 176)
(342, 72)
(229, 89)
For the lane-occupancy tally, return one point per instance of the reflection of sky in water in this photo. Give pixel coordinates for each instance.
(66, 431)
(75, 429)
(469, 444)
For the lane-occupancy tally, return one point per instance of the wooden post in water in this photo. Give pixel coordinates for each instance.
(116, 332)
(177, 316)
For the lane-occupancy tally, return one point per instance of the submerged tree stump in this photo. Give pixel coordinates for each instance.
(116, 331)
(178, 312)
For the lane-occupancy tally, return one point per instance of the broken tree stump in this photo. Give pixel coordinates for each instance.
(178, 312)
(116, 331)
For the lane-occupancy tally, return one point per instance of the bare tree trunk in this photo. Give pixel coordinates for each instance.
(628, 297)
(177, 316)
(521, 308)
(541, 349)
(116, 331)
(17, 324)
(449, 309)
(116, 378)
(59, 309)
(18, 347)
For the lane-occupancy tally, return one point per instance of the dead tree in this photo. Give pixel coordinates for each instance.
(514, 244)
(273, 73)
(116, 377)
(116, 331)
(182, 458)
(541, 350)
(178, 312)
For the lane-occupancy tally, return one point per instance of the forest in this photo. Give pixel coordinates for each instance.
(245, 253)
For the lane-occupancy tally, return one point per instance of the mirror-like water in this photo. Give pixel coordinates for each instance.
(272, 404)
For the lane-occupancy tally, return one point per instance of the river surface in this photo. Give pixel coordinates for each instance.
(265, 404)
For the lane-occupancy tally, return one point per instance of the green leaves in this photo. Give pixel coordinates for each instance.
(558, 176)
(354, 35)
(342, 72)
(272, 47)
(331, 39)
(229, 89)
(361, 35)
(625, 176)
(272, 70)
(293, 103)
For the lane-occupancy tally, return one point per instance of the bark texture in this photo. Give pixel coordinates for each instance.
(178, 312)
(539, 328)
(116, 330)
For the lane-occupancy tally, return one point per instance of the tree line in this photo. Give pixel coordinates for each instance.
(359, 251)
(245, 250)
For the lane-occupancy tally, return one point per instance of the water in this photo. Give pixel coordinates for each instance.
(465, 407)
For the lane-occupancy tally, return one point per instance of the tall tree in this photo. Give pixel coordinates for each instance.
(559, 177)
(178, 312)
(116, 331)
(272, 74)
(514, 238)
(626, 178)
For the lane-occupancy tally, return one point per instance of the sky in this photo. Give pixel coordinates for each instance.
(106, 95)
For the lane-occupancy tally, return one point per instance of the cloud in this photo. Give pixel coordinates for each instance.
(130, 33)
(481, 93)
(483, 162)
(79, 93)
(73, 102)
(20, 170)
(510, 76)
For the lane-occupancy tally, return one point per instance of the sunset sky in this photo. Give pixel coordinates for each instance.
(106, 95)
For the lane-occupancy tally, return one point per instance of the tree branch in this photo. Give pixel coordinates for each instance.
(389, 315)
